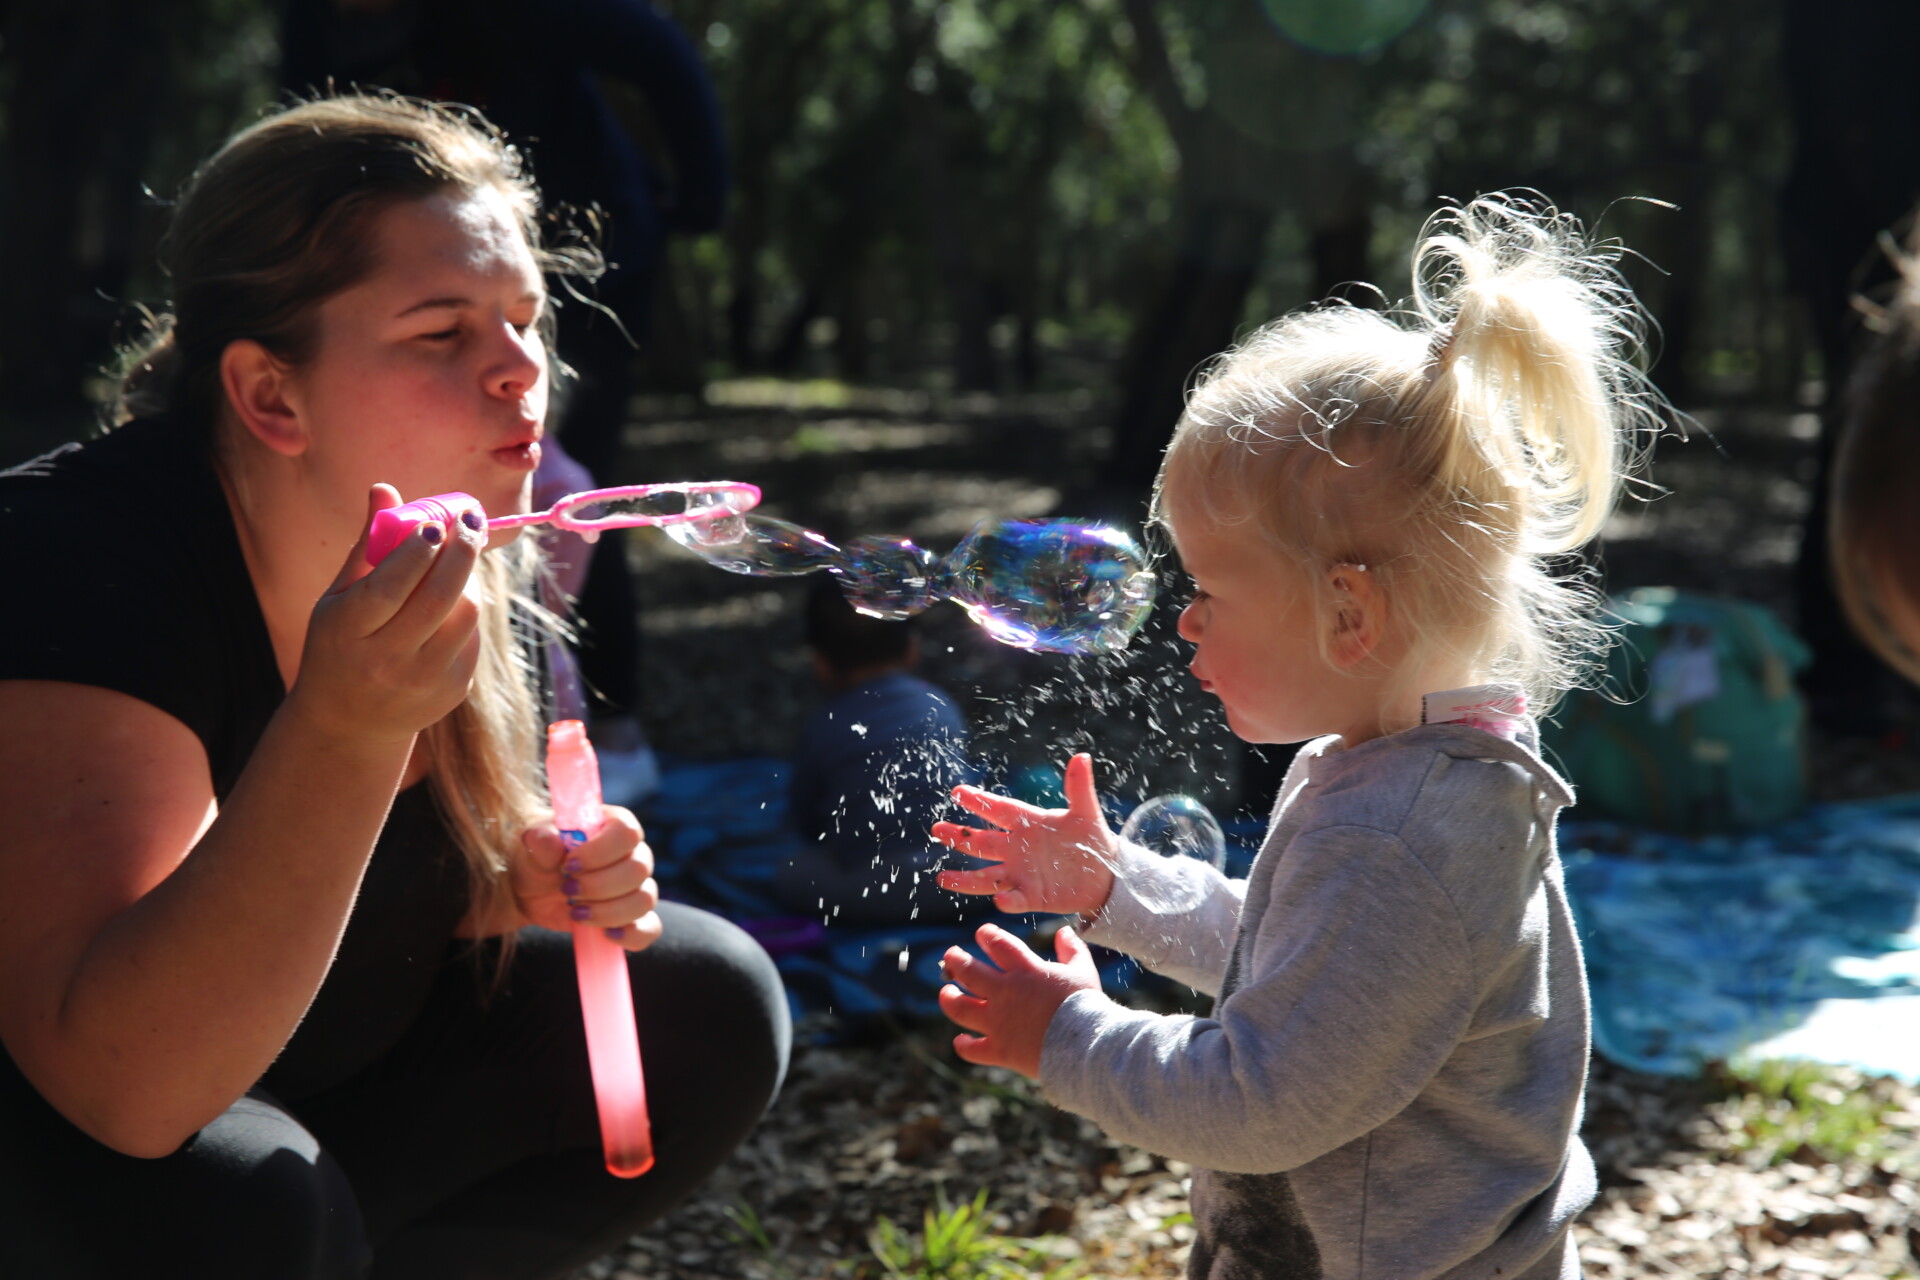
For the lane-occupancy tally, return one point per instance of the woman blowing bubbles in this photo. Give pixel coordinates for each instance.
(269, 1002)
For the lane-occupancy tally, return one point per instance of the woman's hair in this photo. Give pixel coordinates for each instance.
(1874, 522)
(1460, 449)
(277, 222)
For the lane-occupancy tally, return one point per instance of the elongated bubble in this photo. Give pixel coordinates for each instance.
(757, 545)
(1057, 586)
(1177, 826)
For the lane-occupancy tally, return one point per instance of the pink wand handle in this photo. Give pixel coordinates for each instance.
(606, 992)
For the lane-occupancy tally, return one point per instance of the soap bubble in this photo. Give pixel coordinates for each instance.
(1173, 825)
(1052, 585)
(886, 577)
(757, 545)
(1056, 586)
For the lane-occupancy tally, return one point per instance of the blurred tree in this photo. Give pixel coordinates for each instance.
(1855, 177)
(1258, 122)
(103, 99)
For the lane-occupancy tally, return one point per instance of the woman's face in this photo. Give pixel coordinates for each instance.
(430, 374)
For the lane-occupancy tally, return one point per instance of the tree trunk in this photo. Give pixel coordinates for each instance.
(1193, 320)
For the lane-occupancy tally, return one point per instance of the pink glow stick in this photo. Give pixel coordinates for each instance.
(606, 992)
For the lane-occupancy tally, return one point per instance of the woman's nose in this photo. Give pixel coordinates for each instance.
(522, 363)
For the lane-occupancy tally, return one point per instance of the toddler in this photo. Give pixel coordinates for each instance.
(1372, 509)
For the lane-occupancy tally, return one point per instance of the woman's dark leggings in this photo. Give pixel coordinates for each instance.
(471, 1150)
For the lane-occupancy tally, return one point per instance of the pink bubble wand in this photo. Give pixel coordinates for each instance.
(606, 990)
(573, 781)
(588, 514)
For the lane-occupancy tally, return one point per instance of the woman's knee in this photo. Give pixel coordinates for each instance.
(711, 977)
(285, 1205)
(250, 1197)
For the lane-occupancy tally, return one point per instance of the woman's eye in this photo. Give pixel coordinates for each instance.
(441, 335)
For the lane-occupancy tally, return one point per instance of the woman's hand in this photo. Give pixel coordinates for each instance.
(1010, 1002)
(1058, 860)
(606, 882)
(392, 650)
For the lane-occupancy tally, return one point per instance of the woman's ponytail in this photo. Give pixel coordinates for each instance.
(146, 373)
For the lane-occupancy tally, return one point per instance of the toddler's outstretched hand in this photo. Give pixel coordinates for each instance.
(1012, 1004)
(1057, 860)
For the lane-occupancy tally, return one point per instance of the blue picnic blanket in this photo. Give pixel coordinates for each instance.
(1797, 940)
(1800, 939)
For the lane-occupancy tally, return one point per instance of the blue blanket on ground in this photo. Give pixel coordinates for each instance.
(1799, 940)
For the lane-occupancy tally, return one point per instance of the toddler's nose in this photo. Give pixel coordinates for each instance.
(1188, 624)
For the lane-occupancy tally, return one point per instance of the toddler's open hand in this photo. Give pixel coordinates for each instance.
(1011, 1005)
(1057, 860)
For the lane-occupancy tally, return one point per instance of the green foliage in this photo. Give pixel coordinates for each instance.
(748, 1229)
(1782, 1109)
(955, 1244)
(1024, 181)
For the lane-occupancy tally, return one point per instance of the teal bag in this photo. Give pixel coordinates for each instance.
(1698, 726)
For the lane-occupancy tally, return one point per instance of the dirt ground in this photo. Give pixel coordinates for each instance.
(891, 1125)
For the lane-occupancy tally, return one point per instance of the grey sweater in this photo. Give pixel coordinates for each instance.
(1390, 1083)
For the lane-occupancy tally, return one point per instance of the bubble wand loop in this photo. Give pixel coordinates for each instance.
(588, 514)
(600, 963)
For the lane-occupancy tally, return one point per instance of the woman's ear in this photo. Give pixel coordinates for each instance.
(256, 385)
(1359, 614)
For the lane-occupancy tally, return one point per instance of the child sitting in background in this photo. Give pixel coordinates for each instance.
(872, 769)
(1371, 508)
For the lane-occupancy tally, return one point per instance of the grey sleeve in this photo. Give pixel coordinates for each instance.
(1175, 915)
(1361, 986)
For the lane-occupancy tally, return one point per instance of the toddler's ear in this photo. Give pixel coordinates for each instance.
(1358, 616)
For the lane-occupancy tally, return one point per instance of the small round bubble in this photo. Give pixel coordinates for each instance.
(1177, 825)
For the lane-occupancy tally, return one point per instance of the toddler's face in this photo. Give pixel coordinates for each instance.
(1256, 637)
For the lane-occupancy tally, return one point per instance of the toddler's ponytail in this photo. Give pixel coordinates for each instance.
(1531, 327)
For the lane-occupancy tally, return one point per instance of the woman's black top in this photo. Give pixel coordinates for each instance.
(129, 576)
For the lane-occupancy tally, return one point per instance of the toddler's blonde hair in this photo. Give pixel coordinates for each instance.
(1460, 449)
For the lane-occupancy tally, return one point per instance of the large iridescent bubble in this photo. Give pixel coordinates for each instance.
(1056, 586)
